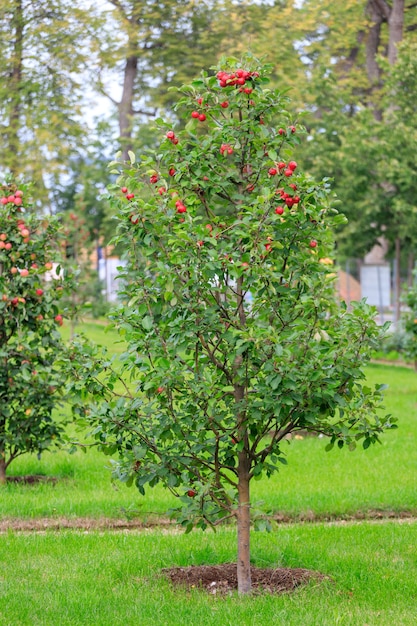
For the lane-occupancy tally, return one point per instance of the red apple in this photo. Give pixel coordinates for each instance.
(39, 292)
(202, 117)
(313, 243)
(124, 190)
(279, 210)
(195, 115)
(59, 319)
(191, 493)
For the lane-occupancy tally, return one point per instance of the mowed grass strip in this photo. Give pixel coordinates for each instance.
(71, 578)
(314, 484)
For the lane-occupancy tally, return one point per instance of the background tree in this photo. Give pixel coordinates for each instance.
(42, 59)
(30, 380)
(234, 336)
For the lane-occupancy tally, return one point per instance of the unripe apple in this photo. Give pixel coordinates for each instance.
(3, 237)
(48, 265)
(14, 270)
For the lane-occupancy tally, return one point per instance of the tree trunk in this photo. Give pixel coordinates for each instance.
(396, 28)
(17, 25)
(126, 105)
(373, 40)
(2, 471)
(244, 582)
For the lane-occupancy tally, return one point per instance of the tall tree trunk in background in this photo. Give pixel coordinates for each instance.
(396, 29)
(126, 105)
(17, 25)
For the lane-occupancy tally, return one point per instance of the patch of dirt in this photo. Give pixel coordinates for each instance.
(166, 525)
(222, 579)
(83, 523)
(32, 479)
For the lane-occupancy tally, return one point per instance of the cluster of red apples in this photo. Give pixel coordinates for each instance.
(16, 198)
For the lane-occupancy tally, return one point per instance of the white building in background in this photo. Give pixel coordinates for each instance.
(109, 274)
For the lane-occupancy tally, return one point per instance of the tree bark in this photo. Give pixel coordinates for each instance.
(244, 581)
(17, 26)
(2, 471)
(377, 18)
(126, 105)
(396, 29)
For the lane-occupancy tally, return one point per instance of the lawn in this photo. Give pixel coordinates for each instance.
(73, 578)
(107, 577)
(314, 484)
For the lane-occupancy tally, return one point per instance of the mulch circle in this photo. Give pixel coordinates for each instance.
(222, 579)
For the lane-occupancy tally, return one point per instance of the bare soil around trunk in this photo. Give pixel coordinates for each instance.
(222, 579)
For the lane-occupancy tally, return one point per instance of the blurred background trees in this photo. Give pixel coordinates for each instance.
(81, 80)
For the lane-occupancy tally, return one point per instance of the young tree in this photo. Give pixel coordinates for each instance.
(234, 336)
(30, 343)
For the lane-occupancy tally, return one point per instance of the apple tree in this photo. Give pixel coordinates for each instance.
(30, 380)
(235, 338)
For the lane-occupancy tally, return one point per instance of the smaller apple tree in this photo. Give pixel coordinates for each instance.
(30, 315)
(235, 338)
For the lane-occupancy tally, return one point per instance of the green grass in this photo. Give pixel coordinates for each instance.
(314, 482)
(101, 578)
(73, 578)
